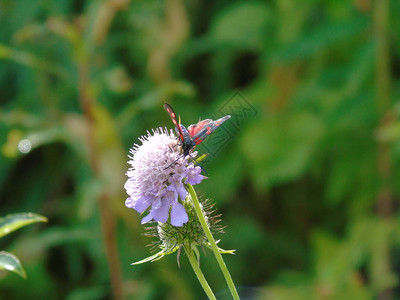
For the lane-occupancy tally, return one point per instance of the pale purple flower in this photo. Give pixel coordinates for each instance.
(156, 180)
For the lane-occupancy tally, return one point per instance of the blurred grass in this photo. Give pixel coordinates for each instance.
(308, 185)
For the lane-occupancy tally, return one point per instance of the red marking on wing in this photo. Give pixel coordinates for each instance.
(197, 140)
(172, 114)
(195, 128)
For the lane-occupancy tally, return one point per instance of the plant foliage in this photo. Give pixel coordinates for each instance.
(305, 172)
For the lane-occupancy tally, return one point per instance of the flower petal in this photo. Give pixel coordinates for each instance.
(129, 202)
(156, 204)
(171, 195)
(161, 214)
(130, 186)
(141, 204)
(193, 175)
(147, 218)
(180, 188)
(178, 215)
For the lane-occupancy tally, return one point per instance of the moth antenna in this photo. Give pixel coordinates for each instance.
(193, 159)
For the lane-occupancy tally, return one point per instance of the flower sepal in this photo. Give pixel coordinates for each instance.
(223, 251)
(154, 257)
(202, 157)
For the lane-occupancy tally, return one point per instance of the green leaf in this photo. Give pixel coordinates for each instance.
(30, 60)
(282, 147)
(13, 222)
(322, 38)
(11, 263)
(389, 132)
(242, 24)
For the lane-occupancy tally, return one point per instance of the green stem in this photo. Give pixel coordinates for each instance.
(199, 273)
(212, 242)
(385, 197)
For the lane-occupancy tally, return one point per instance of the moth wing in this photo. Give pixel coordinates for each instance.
(204, 128)
(194, 129)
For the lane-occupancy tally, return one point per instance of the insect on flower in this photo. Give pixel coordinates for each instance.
(195, 133)
(150, 187)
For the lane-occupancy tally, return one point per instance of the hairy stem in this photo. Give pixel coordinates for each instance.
(212, 242)
(200, 276)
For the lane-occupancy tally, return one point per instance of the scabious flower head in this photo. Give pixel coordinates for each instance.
(157, 176)
(191, 235)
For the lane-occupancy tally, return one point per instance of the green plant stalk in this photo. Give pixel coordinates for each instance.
(200, 276)
(212, 242)
(385, 198)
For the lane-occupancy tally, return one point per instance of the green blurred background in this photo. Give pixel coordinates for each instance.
(307, 182)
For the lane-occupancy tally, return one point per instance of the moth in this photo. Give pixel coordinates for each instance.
(195, 133)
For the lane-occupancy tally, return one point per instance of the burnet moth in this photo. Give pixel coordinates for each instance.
(195, 133)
